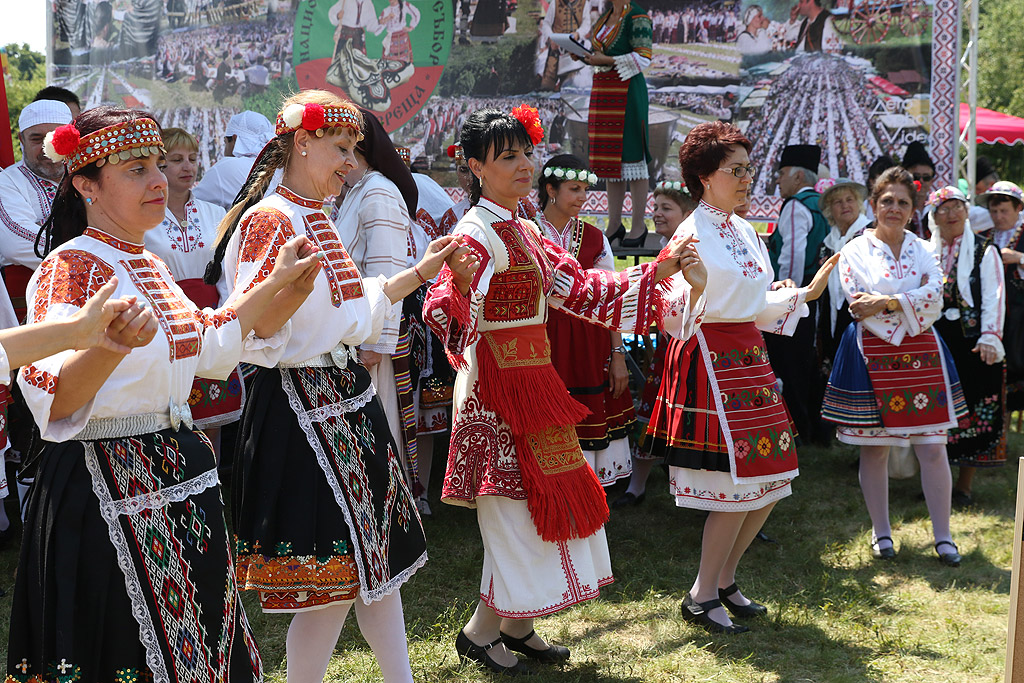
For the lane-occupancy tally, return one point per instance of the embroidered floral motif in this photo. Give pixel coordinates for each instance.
(514, 294)
(218, 319)
(176, 317)
(40, 379)
(110, 240)
(69, 276)
(188, 237)
(262, 235)
(298, 199)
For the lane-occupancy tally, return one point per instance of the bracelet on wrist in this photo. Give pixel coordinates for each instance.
(416, 270)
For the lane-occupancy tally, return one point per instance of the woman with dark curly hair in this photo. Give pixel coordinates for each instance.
(719, 421)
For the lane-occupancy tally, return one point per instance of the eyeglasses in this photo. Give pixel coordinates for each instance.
(924, 177)
(739, 171)
(955, 207)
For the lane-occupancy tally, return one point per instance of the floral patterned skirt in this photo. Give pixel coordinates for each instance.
(217, 403)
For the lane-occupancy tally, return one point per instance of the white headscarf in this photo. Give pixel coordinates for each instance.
(252, 130)
(964, 257)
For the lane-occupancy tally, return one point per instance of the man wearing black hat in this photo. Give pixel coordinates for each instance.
(920, 165)
(793, 249)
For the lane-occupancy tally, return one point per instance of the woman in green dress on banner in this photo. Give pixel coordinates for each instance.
(621, 40)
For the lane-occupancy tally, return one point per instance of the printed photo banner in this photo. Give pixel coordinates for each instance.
(857, 77)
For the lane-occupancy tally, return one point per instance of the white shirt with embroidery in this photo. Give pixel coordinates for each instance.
(739, 274)
(866, 264)
(343, 308)
(186, 249)
(222, 181)
(25, 201)
(154, 378)
(374, 226)
(795, 223)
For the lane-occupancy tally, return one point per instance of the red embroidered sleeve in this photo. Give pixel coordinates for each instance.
(40, 379)
(69, 276)
(262, 234)
(218, 319)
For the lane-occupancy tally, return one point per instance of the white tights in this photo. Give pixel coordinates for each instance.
(313, 635)
(936, 481)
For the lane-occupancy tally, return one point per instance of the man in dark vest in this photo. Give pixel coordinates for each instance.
(793, 249)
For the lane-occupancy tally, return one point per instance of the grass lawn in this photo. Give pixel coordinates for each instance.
(836, 616)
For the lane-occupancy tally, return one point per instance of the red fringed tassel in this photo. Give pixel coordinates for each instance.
(528, 399)
(444, 295)
(563, 506)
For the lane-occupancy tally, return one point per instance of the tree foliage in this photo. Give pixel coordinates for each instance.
(26, 75)
(1000, 65)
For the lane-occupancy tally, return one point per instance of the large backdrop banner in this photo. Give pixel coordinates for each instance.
(860, 77)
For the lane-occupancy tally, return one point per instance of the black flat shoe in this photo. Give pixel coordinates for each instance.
(554, 654)
(962, 499)
(697, 613)
(949, 559)
(633, 242)
(628, 498)
(883, 553)
(618, 234)
(467, 649)
(739, 611)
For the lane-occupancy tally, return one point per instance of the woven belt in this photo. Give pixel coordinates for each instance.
(336, 358)
(100, 428)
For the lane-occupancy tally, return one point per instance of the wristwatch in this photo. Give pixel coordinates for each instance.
(619, 349)
(892, 304)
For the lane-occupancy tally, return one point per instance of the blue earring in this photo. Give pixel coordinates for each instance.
(89, 200)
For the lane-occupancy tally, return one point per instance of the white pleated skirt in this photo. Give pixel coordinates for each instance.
(525, 576)
(716, 492)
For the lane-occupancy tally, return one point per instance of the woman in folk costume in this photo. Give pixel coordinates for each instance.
(184, 242)
(312, 423)
(893, 382)
(974, 307)
(374, 224)
(514, 454)
(718, 421)
(672, 205)
(619, 104)
(126, 569)
(589, 359)
(841, 204)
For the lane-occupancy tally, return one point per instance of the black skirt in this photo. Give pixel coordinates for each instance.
(322, 510)
(144, 586)
(979, 440)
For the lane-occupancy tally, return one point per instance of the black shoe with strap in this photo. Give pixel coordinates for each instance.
(880, 553)
(950, 559)
(619, 233)
(739, 611)
(554, 654)
(478, 653)
(628, 498)
(697, 613)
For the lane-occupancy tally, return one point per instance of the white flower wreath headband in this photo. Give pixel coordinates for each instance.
(674, 185)
(588, 177)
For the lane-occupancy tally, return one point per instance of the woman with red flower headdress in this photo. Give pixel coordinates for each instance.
(514, 454)
(313, 422)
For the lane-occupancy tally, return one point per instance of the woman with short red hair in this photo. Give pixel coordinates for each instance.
(719, 421)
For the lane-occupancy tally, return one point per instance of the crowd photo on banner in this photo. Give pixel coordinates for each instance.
(282, 278)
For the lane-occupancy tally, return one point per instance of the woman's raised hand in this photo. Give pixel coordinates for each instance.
(89, 324)
(298, 263)
(134, 327)
(464, 263)
(820, 280)
(694, 270)
(438, 252)
(670, 258)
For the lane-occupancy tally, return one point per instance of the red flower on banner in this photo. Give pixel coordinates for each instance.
(530, 119)
(65, 140)
(313, 117)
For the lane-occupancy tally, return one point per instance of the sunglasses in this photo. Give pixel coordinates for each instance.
(739, 171)
(924, 177)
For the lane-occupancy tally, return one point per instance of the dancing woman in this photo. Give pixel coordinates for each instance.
(125, 558)
(514, 454)
(719, 421)
(323, 514)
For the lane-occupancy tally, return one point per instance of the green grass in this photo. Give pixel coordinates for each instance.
(836, 616)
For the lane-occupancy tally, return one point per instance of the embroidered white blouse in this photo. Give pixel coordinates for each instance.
(186, 249)
(373, 223)
(739, 275)
(156, 378)
(866, 264)
(25, 201)
(343, 308)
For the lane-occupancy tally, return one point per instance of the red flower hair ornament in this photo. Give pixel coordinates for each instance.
(61, 143)
(530, 119)
(452, 149)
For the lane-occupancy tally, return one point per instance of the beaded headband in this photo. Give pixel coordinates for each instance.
(316, 117)
(672, 186)
(114, 144)
(560, 173)
(405, 154)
